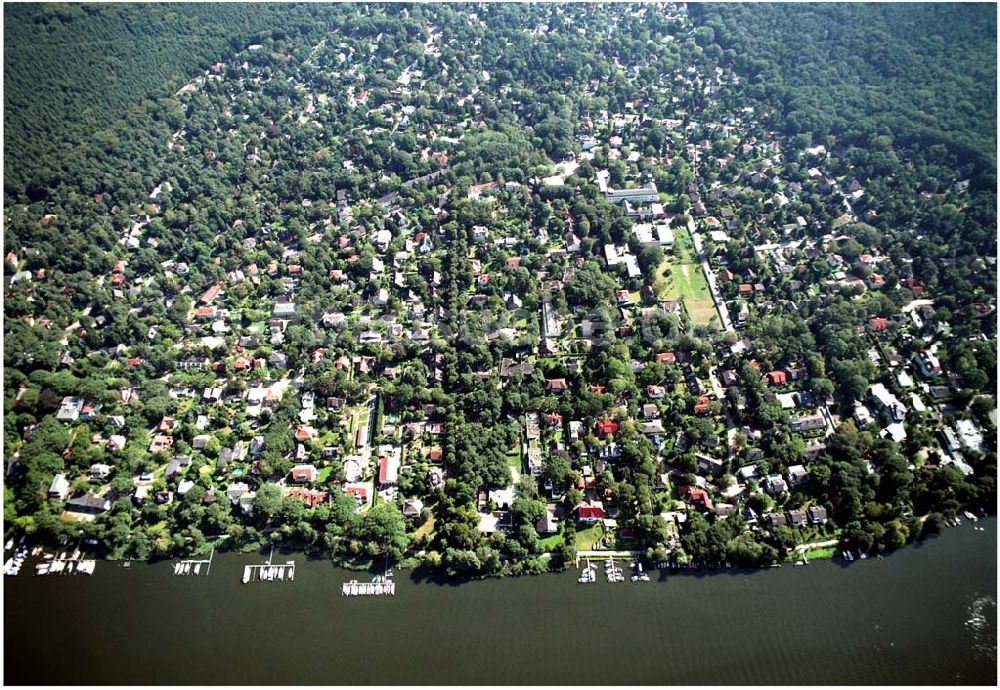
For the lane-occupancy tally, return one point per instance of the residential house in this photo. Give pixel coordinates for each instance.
(304, 473)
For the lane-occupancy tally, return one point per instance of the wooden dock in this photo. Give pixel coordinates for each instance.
(368, 589)
(194, 566)
(66, 566)
(269, 572)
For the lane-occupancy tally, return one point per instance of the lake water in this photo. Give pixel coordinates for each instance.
(927, 614)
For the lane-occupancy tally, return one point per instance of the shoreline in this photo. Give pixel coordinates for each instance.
(802, 555)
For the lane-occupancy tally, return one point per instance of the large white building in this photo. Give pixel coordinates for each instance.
(659, 233)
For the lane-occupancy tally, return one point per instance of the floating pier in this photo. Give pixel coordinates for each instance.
(613, 573)
(194, 566)
(66, 566)
(269, 572)
(380, 586)
(368, 589)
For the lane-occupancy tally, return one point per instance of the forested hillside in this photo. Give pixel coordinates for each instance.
(72, 73)
(915, 71)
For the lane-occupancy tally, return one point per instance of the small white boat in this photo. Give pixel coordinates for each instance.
(9, 544)
(246, 574)
(970, 516)
(177, 568)
(197, 568)
(42, 569)
(281, 574)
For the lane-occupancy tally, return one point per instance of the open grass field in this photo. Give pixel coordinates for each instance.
(686, 283)
(682, 279)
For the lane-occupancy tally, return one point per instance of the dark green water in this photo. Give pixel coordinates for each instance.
(910, 618)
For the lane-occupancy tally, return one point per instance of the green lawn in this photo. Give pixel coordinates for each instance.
(687, 283)
(683, 245)
(514, 458)
(324, 474)
(552, 541)
(585, 539)
(685, 280)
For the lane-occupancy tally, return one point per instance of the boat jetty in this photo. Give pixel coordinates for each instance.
(612, 572)
(194, 567)
(380, 586)
(12, 565)
(638, 574)
(61, 564)
(589, 573)
(269, 572)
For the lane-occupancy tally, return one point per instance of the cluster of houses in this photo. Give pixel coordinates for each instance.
(384, 297)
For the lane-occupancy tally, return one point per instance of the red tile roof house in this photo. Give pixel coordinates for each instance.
(878, 323)
(777, 378)
(746, 288)
(666, 357)
(303, 473)
(309, 497)
(388, 472)
(555, 385)
(702, 406)
(211, 293)
(607, 426)
(358, 492)
(590, 513)
(698, 497)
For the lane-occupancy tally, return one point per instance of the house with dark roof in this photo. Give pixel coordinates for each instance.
(810, 423)
(797, 517)
(555, 385)
(88, 503)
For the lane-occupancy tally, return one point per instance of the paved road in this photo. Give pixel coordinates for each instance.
(801, 548)
(720, 393)
(719, 303)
